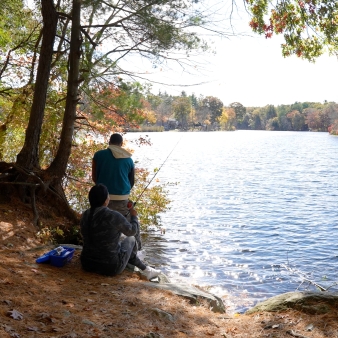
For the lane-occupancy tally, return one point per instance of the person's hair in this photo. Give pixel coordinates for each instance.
(97, 195)
(116, 139)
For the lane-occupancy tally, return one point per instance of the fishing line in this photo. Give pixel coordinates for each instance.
(134, 203)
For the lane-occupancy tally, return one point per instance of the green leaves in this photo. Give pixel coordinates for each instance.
(154, 199)
(181, 108)
(310, 27)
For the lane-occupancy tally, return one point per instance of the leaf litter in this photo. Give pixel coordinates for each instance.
(58, 302)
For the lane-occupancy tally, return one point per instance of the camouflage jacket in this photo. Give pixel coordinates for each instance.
(101, 234)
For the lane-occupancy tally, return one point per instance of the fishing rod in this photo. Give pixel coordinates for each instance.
(132, 204)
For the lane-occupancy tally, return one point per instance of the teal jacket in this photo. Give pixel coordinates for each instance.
(117, 174)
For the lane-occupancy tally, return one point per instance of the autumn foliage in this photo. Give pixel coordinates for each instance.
(309, 27)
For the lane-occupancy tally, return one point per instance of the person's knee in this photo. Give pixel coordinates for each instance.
(131, 239)
(129, 242)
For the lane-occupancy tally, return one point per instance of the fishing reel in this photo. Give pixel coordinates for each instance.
(130, 204)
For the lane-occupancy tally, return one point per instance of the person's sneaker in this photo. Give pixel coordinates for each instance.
(151, 273)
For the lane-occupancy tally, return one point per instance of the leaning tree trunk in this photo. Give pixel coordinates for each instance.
(59, 165)
(28, 156)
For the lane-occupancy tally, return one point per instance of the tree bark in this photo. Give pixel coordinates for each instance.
(58, 167)
(28, 156)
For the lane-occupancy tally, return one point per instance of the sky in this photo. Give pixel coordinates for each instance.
(255, 73)
(250, 69)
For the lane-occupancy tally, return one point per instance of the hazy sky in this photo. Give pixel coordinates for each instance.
(249, 70)
(252, 71)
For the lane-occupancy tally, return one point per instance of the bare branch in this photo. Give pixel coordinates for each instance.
(117, 23)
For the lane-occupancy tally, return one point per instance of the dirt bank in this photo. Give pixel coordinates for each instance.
(46, 301)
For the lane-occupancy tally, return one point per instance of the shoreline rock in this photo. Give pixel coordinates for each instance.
(307, 302)
(190, 292)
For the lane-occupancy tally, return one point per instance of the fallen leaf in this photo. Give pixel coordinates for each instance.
(8, 328)
(15, 314)
(231, 329)
(68, 304)
(44, 315)
(71, 335)
(33, 328)
(56, 329)
(88, 322)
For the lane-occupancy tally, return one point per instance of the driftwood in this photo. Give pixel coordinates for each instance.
(307, 280)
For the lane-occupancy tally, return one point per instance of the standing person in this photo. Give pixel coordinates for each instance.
(115, 168)
(101, 229)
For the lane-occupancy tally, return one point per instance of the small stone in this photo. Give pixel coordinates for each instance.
(163, 314)
(86, 321)
(309, 327)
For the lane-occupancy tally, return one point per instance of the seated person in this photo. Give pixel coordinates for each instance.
(101, 229)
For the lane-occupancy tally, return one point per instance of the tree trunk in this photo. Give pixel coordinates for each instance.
(28, 156)
(59, 165)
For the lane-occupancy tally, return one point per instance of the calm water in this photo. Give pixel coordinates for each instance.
(253, 212)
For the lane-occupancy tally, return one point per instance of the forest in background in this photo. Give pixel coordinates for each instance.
(188, 112)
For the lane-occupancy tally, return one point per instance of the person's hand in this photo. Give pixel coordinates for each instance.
(133, 212)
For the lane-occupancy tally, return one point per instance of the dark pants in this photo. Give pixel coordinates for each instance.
(121, 207)
(127, 254)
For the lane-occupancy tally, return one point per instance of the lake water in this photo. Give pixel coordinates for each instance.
(254, 214)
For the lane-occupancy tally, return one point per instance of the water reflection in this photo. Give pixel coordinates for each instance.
(254, 214)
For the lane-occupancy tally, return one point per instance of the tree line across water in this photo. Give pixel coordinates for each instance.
(188, 112)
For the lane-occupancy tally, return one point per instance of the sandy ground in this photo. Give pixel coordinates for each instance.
(40, 300)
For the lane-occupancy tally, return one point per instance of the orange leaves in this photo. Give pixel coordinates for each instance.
(309, 26)
(254, 24)
(232, 330)
(115, 107)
